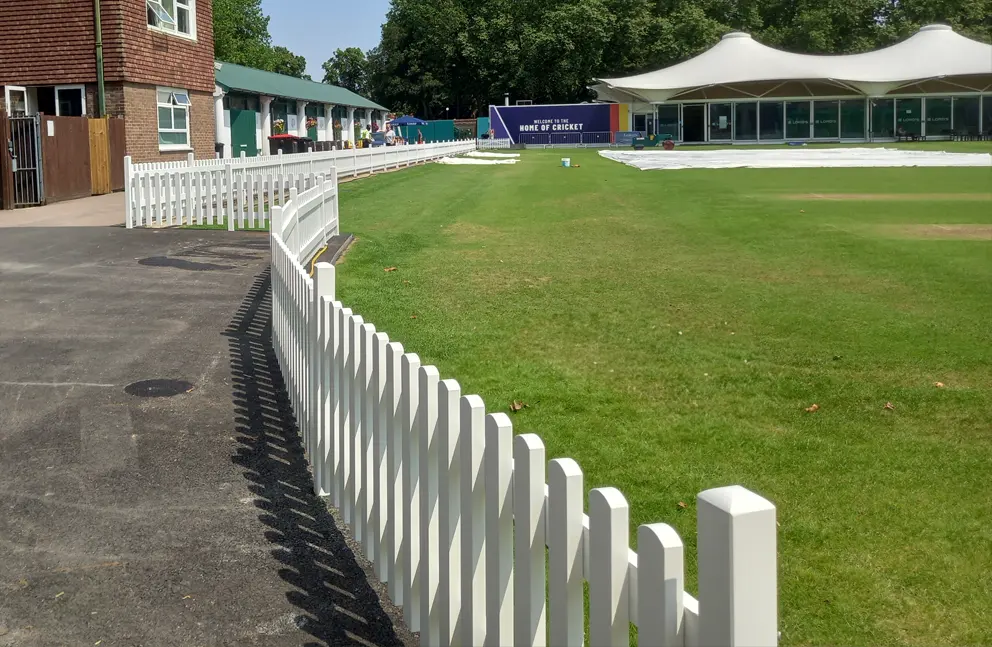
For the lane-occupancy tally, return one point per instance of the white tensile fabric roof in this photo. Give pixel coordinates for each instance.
(934, 52)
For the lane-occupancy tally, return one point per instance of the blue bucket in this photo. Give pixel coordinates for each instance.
(566, 162)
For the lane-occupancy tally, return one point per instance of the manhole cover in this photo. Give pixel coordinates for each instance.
(158, 388)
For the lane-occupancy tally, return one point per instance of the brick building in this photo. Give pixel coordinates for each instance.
(158, 68)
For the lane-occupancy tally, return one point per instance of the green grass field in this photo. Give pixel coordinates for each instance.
(669, 329)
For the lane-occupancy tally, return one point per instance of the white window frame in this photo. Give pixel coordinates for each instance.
(188, 146)
(27, 108)
(189, 6)
(82, 90)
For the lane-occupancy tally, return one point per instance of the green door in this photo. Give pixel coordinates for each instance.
(243, 133)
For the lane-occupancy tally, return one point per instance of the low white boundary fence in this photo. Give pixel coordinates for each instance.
(242, 191)
(486, 144)
(455, 513)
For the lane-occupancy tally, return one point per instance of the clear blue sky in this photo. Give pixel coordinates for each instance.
(315, 28)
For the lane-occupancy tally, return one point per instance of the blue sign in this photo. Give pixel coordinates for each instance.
(551, 124)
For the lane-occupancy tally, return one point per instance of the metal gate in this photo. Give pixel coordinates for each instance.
(25, 151)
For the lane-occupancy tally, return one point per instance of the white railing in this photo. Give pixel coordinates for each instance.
(487, 144)
(455, 513)
(242, 191)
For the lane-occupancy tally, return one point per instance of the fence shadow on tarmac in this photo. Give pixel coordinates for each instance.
(337, 603)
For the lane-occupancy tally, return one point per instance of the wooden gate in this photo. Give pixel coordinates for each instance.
(99, 156)
(65, 144)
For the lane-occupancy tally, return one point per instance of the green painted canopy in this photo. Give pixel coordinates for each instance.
(246, 79)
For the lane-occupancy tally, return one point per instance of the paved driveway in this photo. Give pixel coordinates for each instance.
(97, 211)
(183, 520)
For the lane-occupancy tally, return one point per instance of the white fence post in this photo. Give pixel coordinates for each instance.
(429, 522)
(529, 586)
(323, 296)
(566, 621)
(129, 193)
(229, 195)
(499, 530)
(472, 442)
(609, 544)
(738, 594)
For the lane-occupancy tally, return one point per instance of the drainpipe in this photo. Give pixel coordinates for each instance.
(101, 91)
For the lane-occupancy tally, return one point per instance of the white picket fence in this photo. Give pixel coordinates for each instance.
(455, 513)
(242, 191)
(486, 144)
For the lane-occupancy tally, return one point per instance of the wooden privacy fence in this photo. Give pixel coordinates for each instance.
(75, 156)
(81, 156)
(481, 540)
(241, 191)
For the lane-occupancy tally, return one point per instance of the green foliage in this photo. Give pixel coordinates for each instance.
(348, 68)
(465, 54)
(284, 61)
(241, 36)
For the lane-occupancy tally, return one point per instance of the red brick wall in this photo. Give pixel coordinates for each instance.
(150, 56)
(46, 42)
(49, 42)
(141, 124)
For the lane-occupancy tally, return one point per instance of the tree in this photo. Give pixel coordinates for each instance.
(241, 33)
(465, 54)
(348, 68)
(284, 61)
(241, 36)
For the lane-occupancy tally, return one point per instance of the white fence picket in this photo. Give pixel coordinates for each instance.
(609, 612)
(365, 458)
(345, 367)
(566, 622)
(449, 507)
(499, 530)
(473, 521)
(451, 510)
(378, 510)
(392, 538)
(352, 513)
(660, 586)
(410, 549)
(429, 521)
(529, 617)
